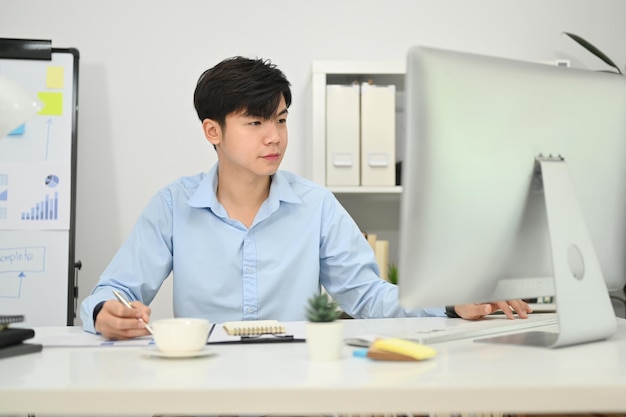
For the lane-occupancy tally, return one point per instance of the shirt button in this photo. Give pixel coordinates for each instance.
(248, 270)
(250, 309)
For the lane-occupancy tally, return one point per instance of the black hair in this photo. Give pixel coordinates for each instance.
(254, 86)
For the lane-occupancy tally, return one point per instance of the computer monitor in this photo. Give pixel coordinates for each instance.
(493, 145)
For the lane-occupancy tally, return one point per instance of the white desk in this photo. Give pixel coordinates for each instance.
(278, 378)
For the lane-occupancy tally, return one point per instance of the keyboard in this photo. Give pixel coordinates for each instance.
(543, 307)
(493, 325)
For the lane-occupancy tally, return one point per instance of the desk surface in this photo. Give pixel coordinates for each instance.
(279, 378)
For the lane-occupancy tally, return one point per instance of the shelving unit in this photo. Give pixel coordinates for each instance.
(347, 72)
(375, 209)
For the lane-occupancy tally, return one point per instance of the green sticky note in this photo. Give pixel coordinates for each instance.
(52, 103)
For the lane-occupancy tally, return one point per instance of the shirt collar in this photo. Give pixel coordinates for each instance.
(205, 195)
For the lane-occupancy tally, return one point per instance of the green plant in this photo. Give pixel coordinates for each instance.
(322, 309)
(595, 51)
(392, 274)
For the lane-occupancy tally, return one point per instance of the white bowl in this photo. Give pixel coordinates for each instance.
(180, 334)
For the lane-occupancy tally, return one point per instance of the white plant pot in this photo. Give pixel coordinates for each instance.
(324, 340)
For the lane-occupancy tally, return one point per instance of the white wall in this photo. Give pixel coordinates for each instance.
(140, 61)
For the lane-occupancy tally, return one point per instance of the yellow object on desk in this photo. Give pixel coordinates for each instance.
(253, 327)
(399, 349)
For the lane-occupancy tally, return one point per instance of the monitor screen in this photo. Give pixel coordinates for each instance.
(505, 164)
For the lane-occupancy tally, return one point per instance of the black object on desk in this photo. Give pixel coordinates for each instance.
(265, 338)
(12, 342)
(20, 349)
(12, 338)
(14, 335)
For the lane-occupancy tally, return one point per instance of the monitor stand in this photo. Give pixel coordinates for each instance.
(584, 309)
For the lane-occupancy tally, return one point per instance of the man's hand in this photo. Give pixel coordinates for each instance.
(478, 311)
(115, 321)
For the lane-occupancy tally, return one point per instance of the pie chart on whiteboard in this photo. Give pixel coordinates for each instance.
(52, 181)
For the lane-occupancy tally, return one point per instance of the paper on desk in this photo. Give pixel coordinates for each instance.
(366, 339)
(85, 339)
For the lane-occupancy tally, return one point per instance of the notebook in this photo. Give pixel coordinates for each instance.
(5, 319)
(253, 327)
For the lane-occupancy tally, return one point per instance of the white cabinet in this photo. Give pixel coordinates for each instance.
(375, 209)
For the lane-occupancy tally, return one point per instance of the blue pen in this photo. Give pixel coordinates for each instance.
(360, 353)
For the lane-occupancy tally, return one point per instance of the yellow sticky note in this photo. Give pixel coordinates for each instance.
(52, 103)
(54, 77)
(404, 347)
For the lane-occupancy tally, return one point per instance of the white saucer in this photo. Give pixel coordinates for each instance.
(153, 351)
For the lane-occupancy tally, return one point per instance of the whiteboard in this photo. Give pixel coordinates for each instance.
(37, 188)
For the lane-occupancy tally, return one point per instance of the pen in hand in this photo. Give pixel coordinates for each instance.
(127, 304)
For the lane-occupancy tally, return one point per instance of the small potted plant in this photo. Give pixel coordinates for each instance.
(324, 333)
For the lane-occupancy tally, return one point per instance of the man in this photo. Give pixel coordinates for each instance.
(246, 241)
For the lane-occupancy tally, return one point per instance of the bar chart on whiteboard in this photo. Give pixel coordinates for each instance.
(34, 196)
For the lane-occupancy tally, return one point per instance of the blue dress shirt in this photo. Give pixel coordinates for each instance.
(301, 239)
